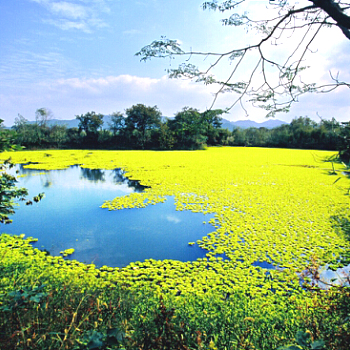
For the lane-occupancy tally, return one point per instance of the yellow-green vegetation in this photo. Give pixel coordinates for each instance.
(270, 205)
(67, 252)
(48, 302)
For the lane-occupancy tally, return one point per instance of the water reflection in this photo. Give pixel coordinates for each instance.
(119, 177)
(70, 217)
(115, 176)
(94, 175)
(23, 172)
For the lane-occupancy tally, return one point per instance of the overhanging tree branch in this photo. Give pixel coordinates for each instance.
(273, 84)
(334, 10)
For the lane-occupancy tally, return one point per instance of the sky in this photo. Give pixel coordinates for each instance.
(76, 56)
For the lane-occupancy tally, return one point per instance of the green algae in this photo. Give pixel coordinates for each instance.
(67, 252)
(269, 205)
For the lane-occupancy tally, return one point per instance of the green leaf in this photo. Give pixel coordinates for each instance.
(303, 338)
(38, 297)
(96, 341)
(336, 180)
(290, 347)
(318, 345)
(115, 336)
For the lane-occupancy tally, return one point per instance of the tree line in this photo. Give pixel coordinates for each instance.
(143, 127)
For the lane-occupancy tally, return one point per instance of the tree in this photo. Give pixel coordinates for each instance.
(345, 143)
(119, 132)
(74, 138)
(7, 139)
(189, 129)
(90, 123)
(117, 123)
(20, 122)
(272, 83)
(239, 138)
(140, 121)
(212, 122)
(42, 116)
(58, 135)
(281, 136)
(301, 132)
(33, 134)
(165, 137)
(9, 193)
(330, 125)
(256, 137)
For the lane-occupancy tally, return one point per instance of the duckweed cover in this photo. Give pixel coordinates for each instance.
(276, 206)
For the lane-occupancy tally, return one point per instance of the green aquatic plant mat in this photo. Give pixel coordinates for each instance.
(49, 302)
(271, 207)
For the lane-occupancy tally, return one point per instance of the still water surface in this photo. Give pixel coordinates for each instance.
(70, 216)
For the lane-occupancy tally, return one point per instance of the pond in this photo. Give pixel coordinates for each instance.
(70, 216)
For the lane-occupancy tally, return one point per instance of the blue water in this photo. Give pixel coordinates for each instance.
(70, 216)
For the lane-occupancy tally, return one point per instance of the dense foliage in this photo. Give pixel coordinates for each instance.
(144, 128)
(9, 192)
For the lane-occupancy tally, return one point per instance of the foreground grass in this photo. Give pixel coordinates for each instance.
(275, 206)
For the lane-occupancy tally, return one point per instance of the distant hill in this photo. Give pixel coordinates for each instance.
(226, 124)
(245, 124)
(73, 123)
(69, 123)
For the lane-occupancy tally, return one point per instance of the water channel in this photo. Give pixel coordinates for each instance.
(70, 216)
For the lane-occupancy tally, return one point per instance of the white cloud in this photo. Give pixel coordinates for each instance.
(68, 25)
(78, 15)
(173, 219)
(124, 90)
(22, 67)
(70, 97)
(75, 96)
(98, 185)
(31, 79)
(70, 10)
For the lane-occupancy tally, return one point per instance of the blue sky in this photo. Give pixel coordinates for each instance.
(76, 56)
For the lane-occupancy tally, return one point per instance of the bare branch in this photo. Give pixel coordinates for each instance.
(270, 95)
(303, 54)
(229, 78)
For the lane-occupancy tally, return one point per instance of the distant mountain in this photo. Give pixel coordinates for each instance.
(245, 124)
(69, 123)
(73, 123)
(226, 124)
